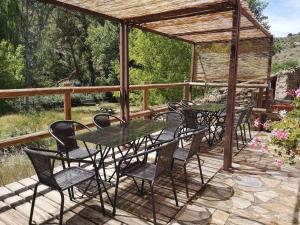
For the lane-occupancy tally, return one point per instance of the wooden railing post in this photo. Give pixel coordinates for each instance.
(186, 91)
(67, 103)
(145, 99)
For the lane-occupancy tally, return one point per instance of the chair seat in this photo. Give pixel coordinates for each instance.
(181, 154)
(144, 171)
(81, 153)
(72, 176)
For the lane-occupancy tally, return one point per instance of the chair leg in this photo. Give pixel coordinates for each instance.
(103, 167)
(174, 190)
(153, 203)
(200, 169)
(116, 195)
(32, 203)
(100, 192)
(242, 135)
(186, 182)
(61, 208)
(237, 140)
(142, 186)
(249, 128)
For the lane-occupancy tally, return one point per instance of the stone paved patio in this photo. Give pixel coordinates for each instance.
(254, 193)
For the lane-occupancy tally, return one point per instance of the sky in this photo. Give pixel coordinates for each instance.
(284, 16)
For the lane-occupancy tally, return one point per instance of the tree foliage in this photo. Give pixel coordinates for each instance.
(258, 7)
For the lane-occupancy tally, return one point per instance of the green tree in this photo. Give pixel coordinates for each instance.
(11, 65)
(257, 7)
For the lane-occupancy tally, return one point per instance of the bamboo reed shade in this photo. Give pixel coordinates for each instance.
(193, 21)
(212, 60)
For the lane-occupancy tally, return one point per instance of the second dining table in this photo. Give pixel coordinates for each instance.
(209, 114)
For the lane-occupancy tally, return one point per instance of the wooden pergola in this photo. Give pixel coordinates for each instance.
(192, 21)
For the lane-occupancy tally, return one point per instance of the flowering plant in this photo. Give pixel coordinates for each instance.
(285, 134)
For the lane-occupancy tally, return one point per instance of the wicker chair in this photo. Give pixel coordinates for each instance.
(174, 122)
(145, 171)
(43, 163)
(173, 106)
(185, 154)
(102, 120)
(238, 120)
(247, 122)
(191, 121)
(61, 131)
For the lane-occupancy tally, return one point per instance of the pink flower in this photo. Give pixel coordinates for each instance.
(257, 122)
(297, 92)
(255, 142)
(278, 163)
(266, 125)
(280, 134)
(264, 148)
(291, 93)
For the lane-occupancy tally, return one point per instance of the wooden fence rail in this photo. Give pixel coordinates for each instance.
(67, 91)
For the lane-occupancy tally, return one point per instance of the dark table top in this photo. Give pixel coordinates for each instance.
(209, 107)
(117, 135)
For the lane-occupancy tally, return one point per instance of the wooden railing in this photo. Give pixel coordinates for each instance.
(67, 91)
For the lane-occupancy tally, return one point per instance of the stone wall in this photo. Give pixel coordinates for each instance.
(286, 80)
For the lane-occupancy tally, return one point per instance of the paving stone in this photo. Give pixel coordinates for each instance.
(16, 187)
(240, 203)
(249, 181)
(266, 196)
(219, 217)
(236, 220)
(5, 193)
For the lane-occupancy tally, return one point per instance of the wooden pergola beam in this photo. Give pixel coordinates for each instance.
(124, 72)
(214, 31)
(181, 13)
(245, 13)
(232, 78)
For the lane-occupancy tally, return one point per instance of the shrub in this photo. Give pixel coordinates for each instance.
(289, 64)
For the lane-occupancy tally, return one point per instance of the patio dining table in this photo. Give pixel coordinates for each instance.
(131, 134)
(209, 114)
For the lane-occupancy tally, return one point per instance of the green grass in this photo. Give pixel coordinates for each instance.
(15, 165)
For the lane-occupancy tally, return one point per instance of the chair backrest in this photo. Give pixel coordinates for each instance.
(186, 103)
(61, 131)
(43, 165)
(248, 114)
(102, 120)
(240, 115)
(173, 106)
(173, 119)
(165, 157)
(196, 143)
(190, 118)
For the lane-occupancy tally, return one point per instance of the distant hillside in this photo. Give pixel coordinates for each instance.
(288, 49)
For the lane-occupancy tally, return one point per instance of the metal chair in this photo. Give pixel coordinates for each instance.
(185, 154)
(190, 121)
(61, 131)
(238, 120)
(102, 120)
(247, 122)
(173, 106)
(145, 171)
(174, 122)
(43, 163)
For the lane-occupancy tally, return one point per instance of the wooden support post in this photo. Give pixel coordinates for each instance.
(67, 103)
(145, 100)
(229, 131)
(269, 74)
(124, 72)
(186, 91)
(192, 70)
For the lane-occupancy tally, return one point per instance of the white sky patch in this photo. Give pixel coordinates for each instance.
(284, 17)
